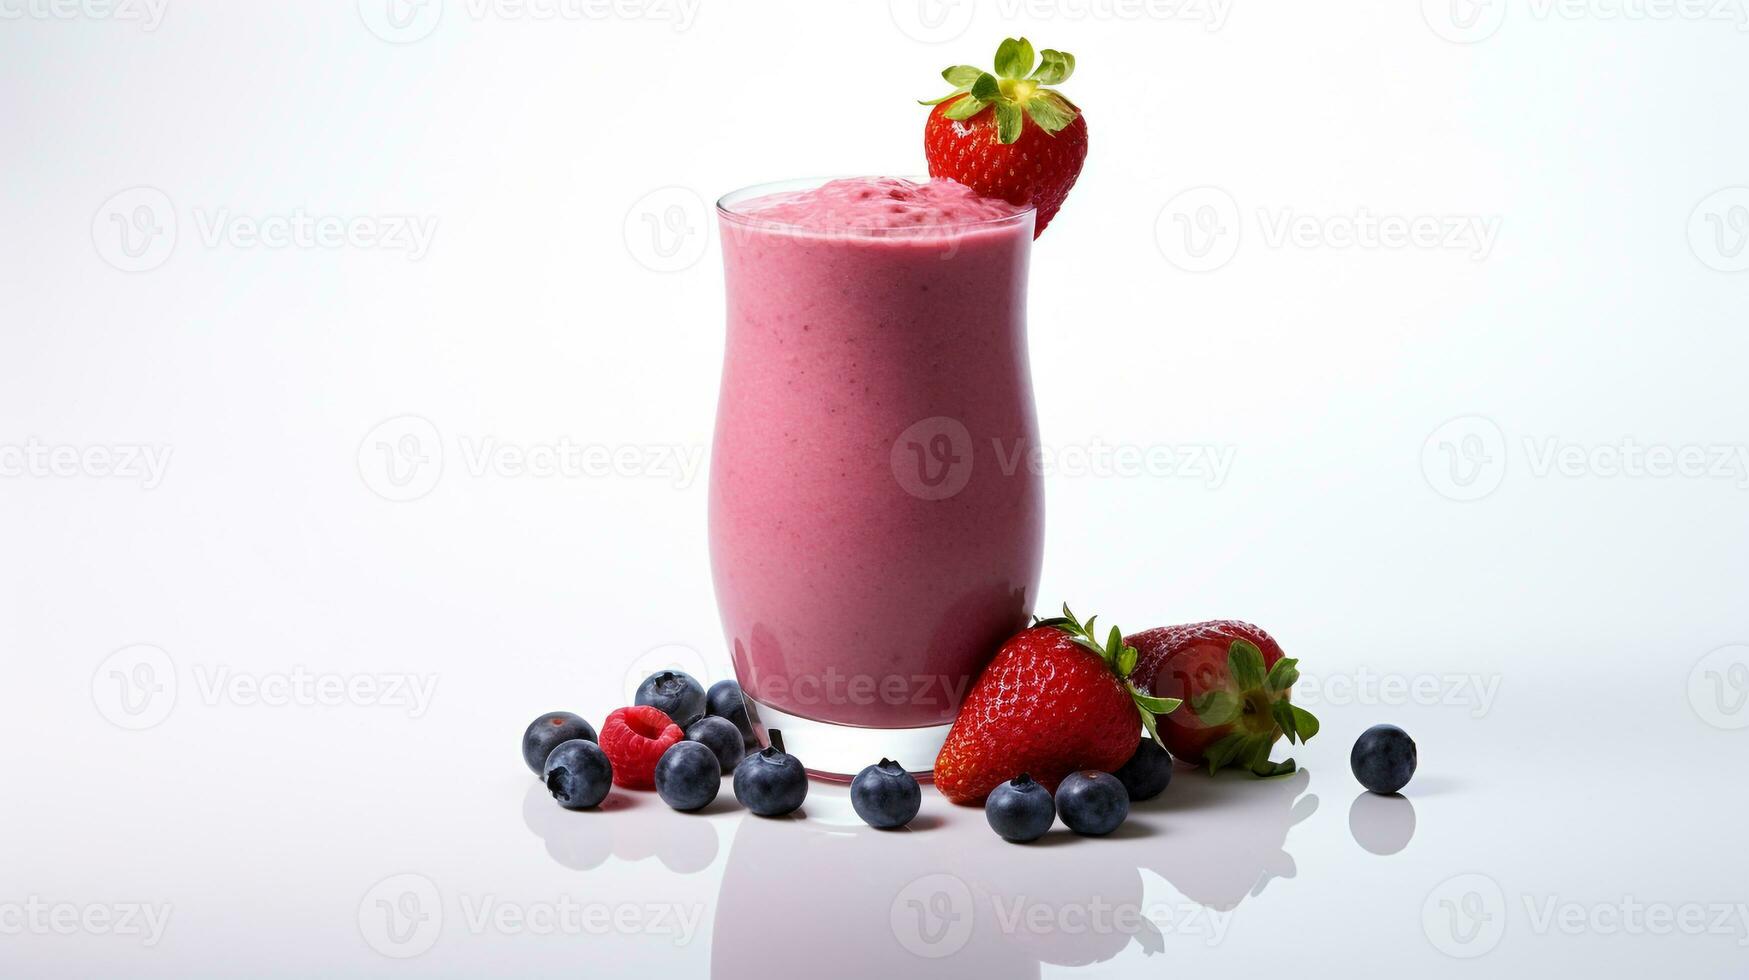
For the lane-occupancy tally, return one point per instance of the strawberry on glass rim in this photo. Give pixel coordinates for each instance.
(1052, 701)
(1008, 134)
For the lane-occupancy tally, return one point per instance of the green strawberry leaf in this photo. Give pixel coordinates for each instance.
(1010, 120)
(1304, 722)
(1216, 707)
(1223, 750)
(1282, 676)
(986, 89)
(1158, 706)
(1050, 111)
(1283, 713)
(1245, 662)
(1014, 58)
(961, 76)
(1269, 769)
(965, 108)
(1126, 660)
(1054, 67)
(1256, 752)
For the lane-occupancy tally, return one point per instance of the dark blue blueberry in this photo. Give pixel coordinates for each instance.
(675, 693)
(1147, 773)
(722, 738)
(548, 732)
(724, 701)
(578, 774)
(688, 776)
(885, 795)
(1383, 758)
(1092, 803)
(1020, 810)
(771, 783)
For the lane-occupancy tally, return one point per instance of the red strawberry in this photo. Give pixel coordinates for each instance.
(1006, 135)
(634, 739)
(1052, 701)
(1235, 682)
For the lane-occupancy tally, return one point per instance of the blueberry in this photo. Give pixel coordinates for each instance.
(1147, 773)
(771, 783)
(885, 795)
(1092, 803)
(688, 776)
(1020, 810)
(548, 732)
(1383, 758)
(675, 694)
(720, 736)
(724, 701)
(578, 774)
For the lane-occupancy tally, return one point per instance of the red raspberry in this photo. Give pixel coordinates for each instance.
(634, 739)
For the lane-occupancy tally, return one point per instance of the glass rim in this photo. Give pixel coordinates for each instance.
(726, 209)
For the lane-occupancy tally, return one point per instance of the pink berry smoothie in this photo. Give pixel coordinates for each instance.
(875, 527)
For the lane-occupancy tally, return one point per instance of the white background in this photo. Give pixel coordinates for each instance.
(1437, 480)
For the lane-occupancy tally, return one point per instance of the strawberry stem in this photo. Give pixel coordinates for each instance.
(1018, 90)
(1121, 658)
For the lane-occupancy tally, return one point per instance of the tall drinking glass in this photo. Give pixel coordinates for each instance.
(876, 520)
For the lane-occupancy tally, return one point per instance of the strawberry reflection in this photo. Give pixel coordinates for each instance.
(935, 901)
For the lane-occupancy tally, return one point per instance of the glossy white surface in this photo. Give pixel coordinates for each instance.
(398, 494)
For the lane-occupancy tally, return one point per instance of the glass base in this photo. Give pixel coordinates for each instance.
(839, 752)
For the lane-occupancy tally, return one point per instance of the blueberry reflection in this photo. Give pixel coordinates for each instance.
(585, 839)
(1382, 824)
